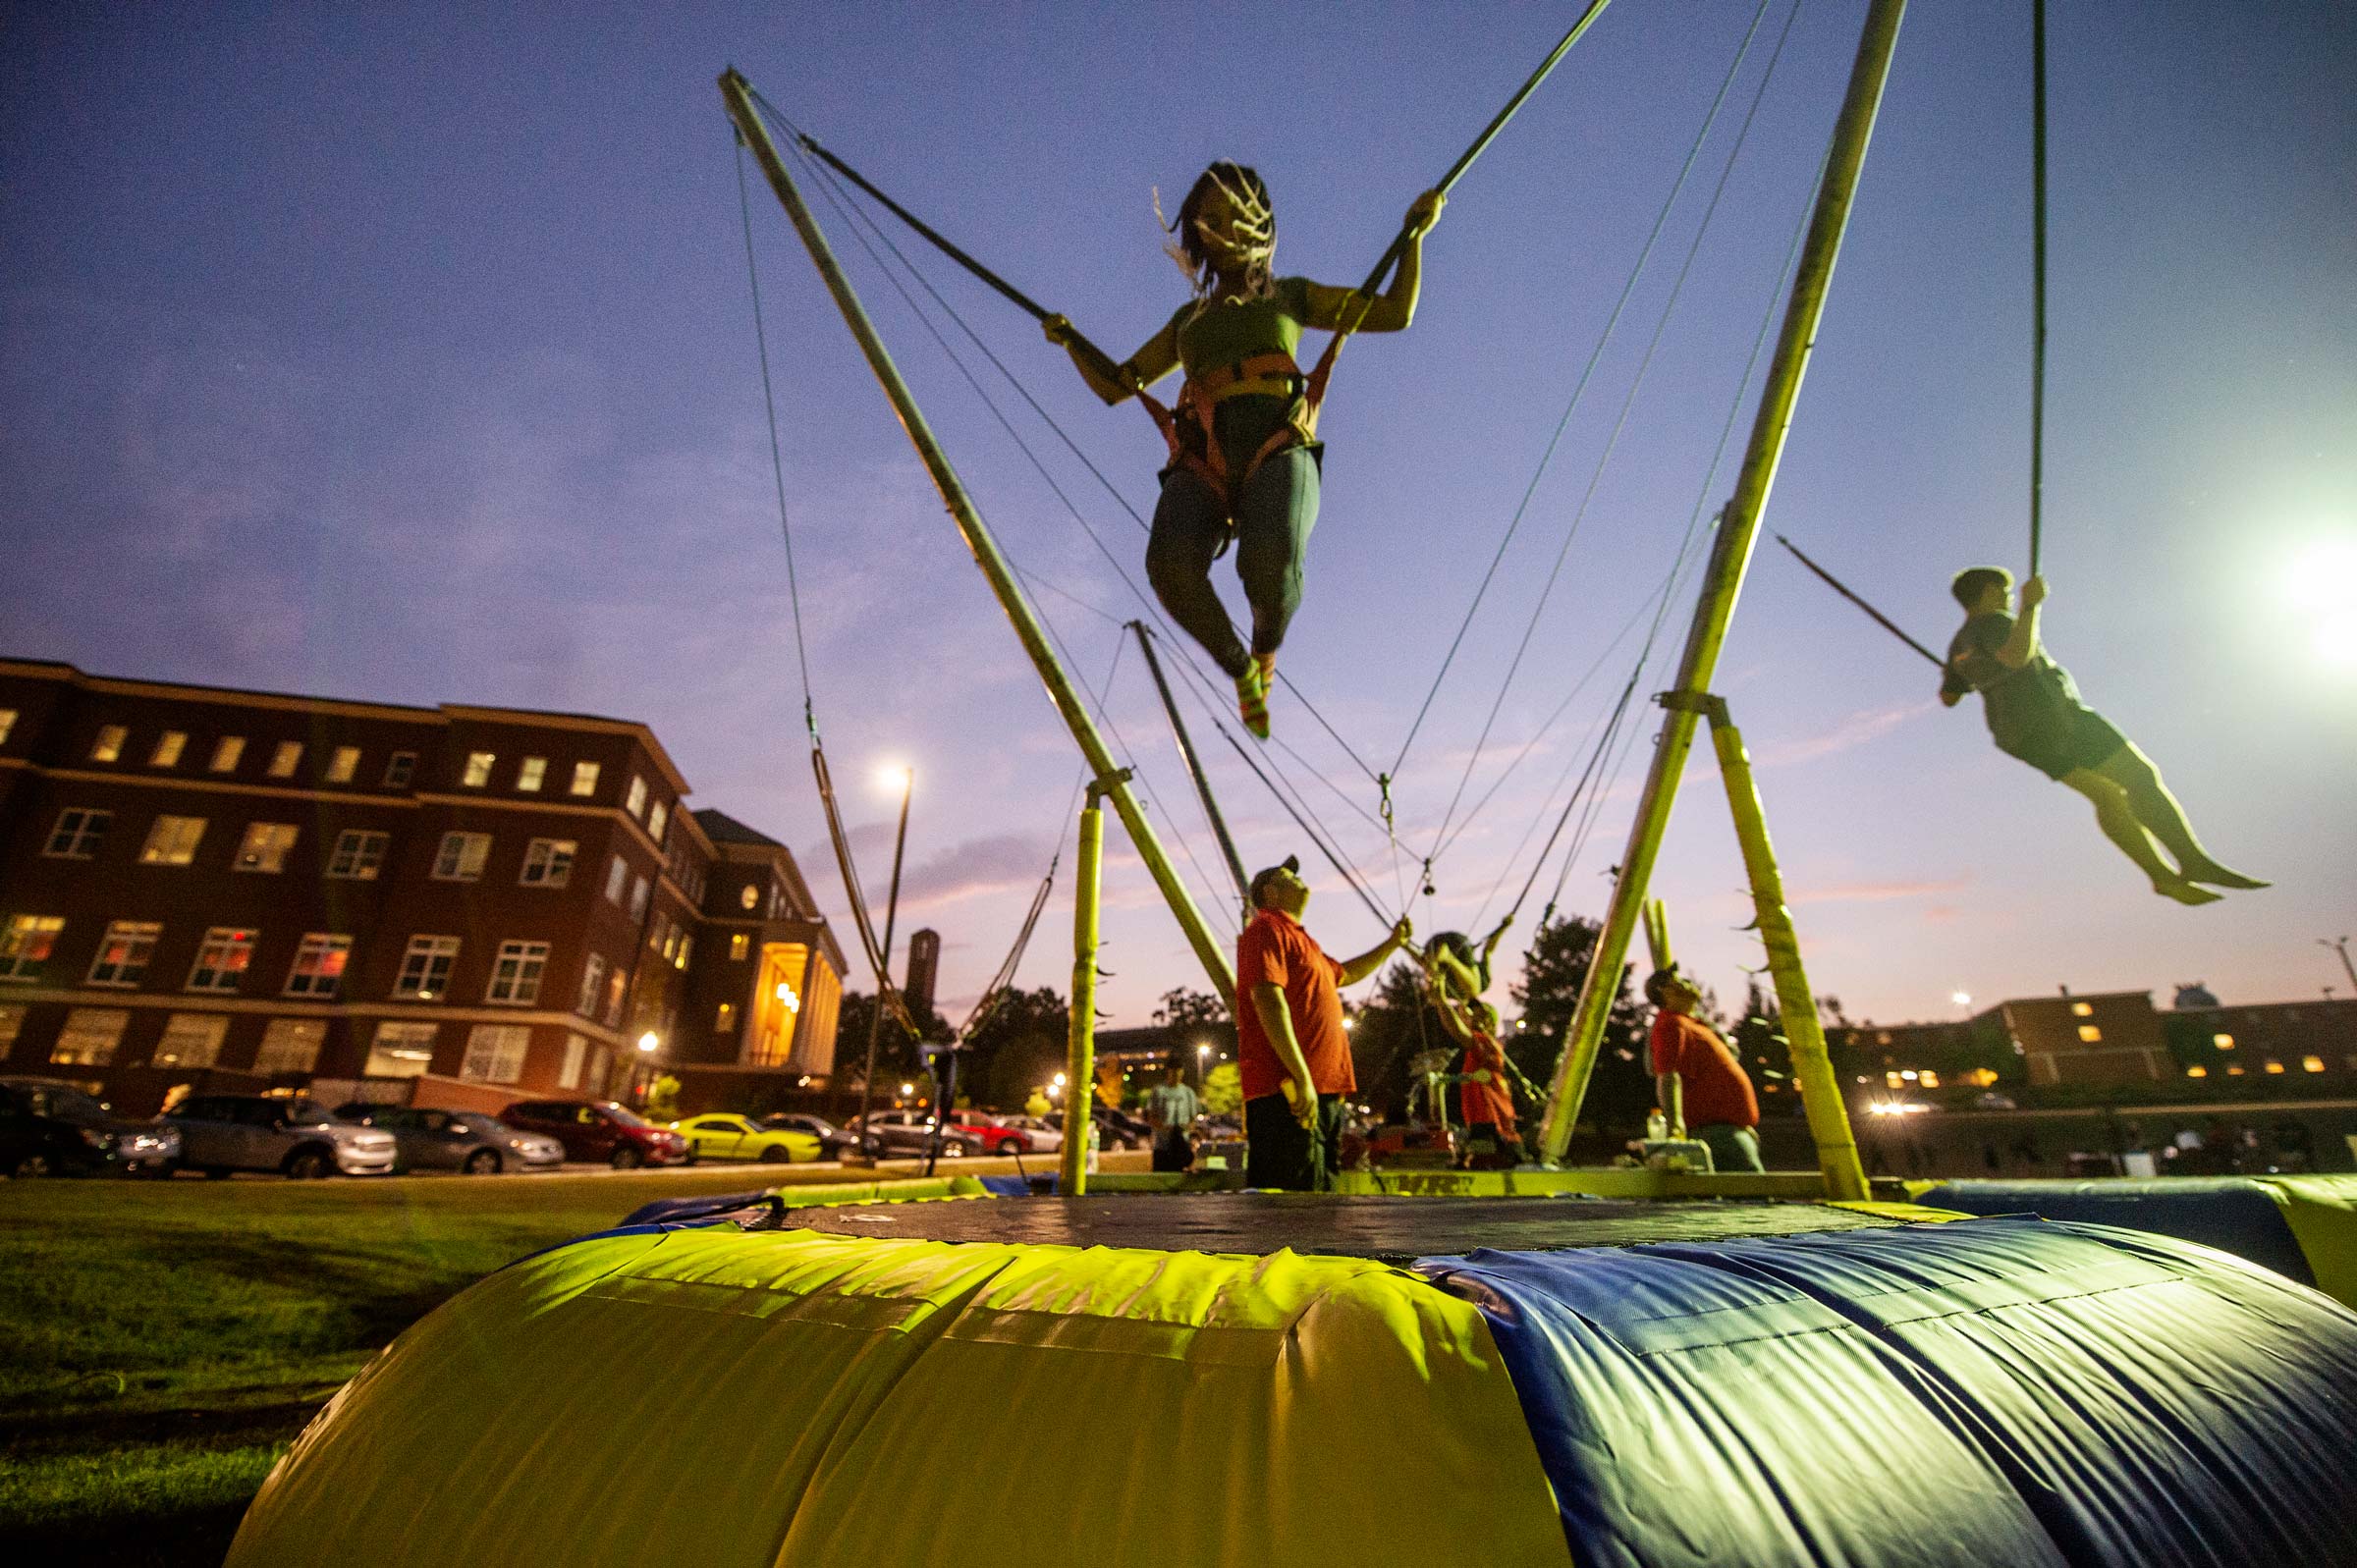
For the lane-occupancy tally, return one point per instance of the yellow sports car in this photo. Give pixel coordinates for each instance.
(728, 1136)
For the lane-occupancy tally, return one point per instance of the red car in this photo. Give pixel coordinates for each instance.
(990, 1134)
(600, 1130)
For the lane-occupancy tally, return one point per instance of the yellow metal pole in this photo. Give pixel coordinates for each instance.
(1080, 1044)
(1730, 553)
(737, 93)
(1812, 1064)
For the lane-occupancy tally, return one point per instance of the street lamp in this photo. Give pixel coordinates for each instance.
(1962, 999)
(2340, 946)
(649, 1042)
(905, 778)
(1203, 1060)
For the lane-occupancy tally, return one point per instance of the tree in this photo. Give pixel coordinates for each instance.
(662, 1100)
(1224, 1091)
(1018, 1045)
(897, 1056)
(1388, 1032)
(1554, 969)
(1183, 1008)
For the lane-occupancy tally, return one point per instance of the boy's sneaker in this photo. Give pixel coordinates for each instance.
(1252, 698)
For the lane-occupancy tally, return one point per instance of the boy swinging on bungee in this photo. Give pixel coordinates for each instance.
(2034, 713)
(1242, 432)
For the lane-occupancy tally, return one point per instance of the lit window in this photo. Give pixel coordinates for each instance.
(548, 862)
(585, 777)
(2222, 1041)
(687, 940)
(462, 856)
(109, 744)
(738, 945)
(2089, 1033)
(1891, 1080)
(1931, 1080)
(2236, 1071)
(12, 1024)
(478, 768)
(2082, 1009)
(90, 1037)
(751, 896)
(24, 945)
(228, 752)
(401, 1049)
(77, 834)
(658, 817)
(400, 767)
(264, 846)
(319, 965)
(576, 1047)
(593, 979)
(639, 889)
(617, 986)
(221, 960)
(358, 854)
(634, 800)
(516, 975)
(663, 935)
(168, 747)
(726, 1018)
(343, 764)
(425, 968)
(124, 952)
(2274, 1066)
(290, 1045)
(495, 1053)
(2196, 1070)
(2312, 1065)
(172, 842)
(8, 724)
(284, 758)
(528, 773)
(191, 1040)
(618, 877)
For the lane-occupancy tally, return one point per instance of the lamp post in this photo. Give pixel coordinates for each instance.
(906, 780)
(2340, 946)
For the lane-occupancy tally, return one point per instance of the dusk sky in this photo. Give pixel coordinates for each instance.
(385, 354)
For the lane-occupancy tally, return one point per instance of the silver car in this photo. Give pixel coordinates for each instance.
(297, 1137)
(475, 1142)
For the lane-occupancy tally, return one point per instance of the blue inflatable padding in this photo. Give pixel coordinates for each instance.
(1990, 1391)
(661, 1209)
(2232, 1213)
(1007, 1186)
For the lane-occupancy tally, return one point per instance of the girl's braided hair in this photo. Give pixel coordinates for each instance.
(1253, 228)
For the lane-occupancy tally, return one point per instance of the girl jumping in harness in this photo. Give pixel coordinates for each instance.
(1243, 440)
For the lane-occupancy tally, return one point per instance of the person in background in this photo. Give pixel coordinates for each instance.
(1171, 1111)
(1293, 1051)
(1488, 1095)
(1704, 1091)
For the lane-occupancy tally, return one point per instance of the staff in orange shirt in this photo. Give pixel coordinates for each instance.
(1704, 1090)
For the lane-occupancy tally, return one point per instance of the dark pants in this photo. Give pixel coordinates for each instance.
(1172, 1151)
(1274, 515)
(1279, 1151)
(1733, 1148)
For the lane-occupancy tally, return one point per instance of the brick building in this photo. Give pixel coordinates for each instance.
(241, 890)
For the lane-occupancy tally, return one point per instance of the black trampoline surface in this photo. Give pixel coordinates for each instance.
(1388, 1229)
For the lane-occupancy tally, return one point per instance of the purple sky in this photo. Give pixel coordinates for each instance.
(381, 356)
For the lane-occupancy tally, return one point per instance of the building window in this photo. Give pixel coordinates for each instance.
(191, 1040)
(8, 724)
(619, 983)
(290, 1045)
(2272, 1065)
(400, 767)
(569, 1075)
(462, 856)
(358, 855)
(2312, 1065)
(495, 1053)
(168, 747)
(401, 1051)
(2089, 1033)
(12, 1020)
(618, 877)
(2082, 1009)
(124, 952)
(516, 975)
(264, 846)
(77, 834)
(90, 1037)
(548, 862)
(26, 942)
(425, 968)
(109, 744)
(221, 961)
(633, 800)
(228, 752)
(585, 777)
(2222, 1041)
(687, 940)
(593, 979)
(528, 773)
(740, 943)
(319, 965)
(172, 842)
(284, 758)
(343, 764)
(751, 896)
(2196, 1070)
(639, 889)
(726, 1018)
(658, 817)
(478, 768)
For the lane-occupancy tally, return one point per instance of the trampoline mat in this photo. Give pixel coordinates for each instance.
(1393, 1230)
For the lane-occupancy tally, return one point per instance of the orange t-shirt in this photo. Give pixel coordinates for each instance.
(1492, 1101)
(1713, 1083)
(1276, 951)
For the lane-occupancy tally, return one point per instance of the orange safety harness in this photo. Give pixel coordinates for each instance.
(1187, 423)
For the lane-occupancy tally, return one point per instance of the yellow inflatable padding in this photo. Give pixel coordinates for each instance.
(781, 1398)
(827, 1194)
(1914, 1212)
(2322, 1212)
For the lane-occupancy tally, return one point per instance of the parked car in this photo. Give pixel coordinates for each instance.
(1046, 1137)
(991, 1134)
(834, 1140)
(51, 1128)
(475, 1142)
(725, 1135)
(602, 1130)
(1118, 1129)
(906, 1133)
(222, 1133)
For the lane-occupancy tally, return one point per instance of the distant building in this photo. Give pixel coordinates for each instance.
(2194, 994)
(924, 970)
(2102, 1039)
(235, 889)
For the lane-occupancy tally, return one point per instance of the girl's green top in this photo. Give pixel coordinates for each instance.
(1224, 332)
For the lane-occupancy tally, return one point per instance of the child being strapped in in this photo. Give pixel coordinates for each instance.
(1244, 452)
(2034, 713)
